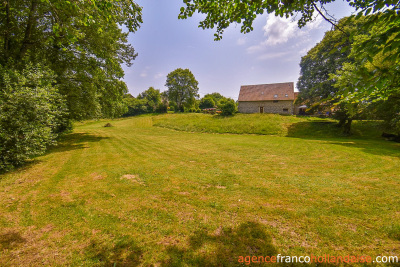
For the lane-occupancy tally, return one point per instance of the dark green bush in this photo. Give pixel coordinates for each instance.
(206, 102)
(228, 107)
(32, 114)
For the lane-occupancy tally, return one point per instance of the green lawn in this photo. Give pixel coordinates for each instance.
(137, 194)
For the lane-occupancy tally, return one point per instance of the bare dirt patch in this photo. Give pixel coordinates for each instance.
(133, 178)
(97, 176)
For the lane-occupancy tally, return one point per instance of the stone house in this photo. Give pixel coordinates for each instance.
(267, 98)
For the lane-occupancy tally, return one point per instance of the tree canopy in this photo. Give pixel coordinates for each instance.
(80, 41)
(149, 101)
(182, 88)
(324, 59)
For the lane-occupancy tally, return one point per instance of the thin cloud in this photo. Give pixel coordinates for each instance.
(273, 55)
(241, 41)
(144, 73)
(159, 75)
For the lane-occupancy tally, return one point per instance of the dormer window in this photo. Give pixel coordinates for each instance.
(275, 96)
(286, 95)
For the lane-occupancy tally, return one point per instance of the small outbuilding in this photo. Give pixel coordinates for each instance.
(267, 98)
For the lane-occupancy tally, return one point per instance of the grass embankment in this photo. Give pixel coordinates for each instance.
(265, 124)
(135, 194)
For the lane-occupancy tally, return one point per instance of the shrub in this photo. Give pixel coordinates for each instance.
(162, 108)
(32, 113)
(228, 107)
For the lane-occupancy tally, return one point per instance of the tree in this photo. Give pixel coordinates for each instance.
(206, 102)
(135, 106)
(152, 97)
(373, 82)
(323, 59)
(388, 110)
(80, 41)
(317, 89)
(217, 97)
(182, 88)
(370, 77)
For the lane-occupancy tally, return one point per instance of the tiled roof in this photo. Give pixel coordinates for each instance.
(263, 92)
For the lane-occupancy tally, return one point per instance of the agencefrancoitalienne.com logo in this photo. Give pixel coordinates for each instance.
(326, 258)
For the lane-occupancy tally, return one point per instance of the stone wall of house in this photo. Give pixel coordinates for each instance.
(269, 106)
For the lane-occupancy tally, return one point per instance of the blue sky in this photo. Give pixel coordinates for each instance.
(271, 53)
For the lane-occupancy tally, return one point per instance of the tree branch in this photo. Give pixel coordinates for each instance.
(28, 30)
(328, 20)
(7, 31)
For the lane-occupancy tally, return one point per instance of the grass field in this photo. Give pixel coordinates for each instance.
(137, 194)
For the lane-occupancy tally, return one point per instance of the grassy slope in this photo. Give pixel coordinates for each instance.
(265, 124)
(138, 194)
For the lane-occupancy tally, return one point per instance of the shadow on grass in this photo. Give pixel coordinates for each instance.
(366, 136)
(68, 142)
(122, 251)
(10, 240)
(315, 130)
(222, 248)
(74, 141)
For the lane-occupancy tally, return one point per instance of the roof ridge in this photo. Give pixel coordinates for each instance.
(266, 84)
(267, 92)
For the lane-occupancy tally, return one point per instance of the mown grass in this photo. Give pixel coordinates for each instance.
(135, 194)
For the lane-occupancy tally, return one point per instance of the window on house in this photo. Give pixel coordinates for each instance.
(275, 96)
(285, 110)
(286, 95)
(275, 101)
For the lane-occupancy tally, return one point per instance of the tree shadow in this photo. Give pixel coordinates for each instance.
(315, 130)
(223, 247)
(74, 141)
(331, 134)
(11, 240)
(121, 251)
(68, 142)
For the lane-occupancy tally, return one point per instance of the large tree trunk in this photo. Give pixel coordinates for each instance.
(342, 121)
(27, 42)
(347, 126)
(7, 32)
